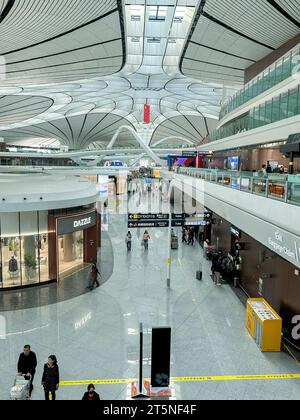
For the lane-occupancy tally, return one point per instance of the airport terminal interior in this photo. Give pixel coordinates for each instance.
(149, 200)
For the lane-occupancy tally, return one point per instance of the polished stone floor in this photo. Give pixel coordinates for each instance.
(95, 335)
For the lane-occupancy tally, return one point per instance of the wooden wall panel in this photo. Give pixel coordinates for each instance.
(261, 65)
(52, 243)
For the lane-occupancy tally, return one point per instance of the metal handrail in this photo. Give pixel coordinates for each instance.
(278, 187)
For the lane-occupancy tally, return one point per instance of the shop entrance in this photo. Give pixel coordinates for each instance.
(74, 241)
(70, 253)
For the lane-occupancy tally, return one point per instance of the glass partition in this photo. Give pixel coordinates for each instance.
(285, 106)
(29, 248)
(275, 74)
(24, 249)
(43, 246)
(277, 187)
(10, 249)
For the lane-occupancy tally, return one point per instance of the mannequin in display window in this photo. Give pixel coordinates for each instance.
(13, 267)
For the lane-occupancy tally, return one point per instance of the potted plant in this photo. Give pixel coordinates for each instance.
(30, 266)
(14, 247)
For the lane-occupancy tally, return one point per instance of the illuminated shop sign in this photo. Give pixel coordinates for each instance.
(82, 222)
(76, 223)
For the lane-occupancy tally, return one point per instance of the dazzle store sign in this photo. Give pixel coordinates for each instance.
(76, 224)
(288, 249)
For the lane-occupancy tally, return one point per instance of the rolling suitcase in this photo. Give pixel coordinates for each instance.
(174, 244)
(199, 275)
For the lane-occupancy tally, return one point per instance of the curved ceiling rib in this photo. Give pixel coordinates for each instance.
(284, 12)
(187, 129)
(74, 75)
(6, 9)
(55, 41)
(140, 141)
(223, 31)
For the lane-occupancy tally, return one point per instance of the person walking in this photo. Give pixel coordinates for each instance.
(191, 236)
(146, 239)
(128, 241)
(94, 277)
(50, 379)
(27, 365)
(184, 241)
(205, 248)
(217, 269)
(91, 394)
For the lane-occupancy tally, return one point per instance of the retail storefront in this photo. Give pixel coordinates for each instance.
(265, 273)
(41, 246)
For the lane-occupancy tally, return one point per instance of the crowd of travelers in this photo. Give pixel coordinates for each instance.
(224, 267)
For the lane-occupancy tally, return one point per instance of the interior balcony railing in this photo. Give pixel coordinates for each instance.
(275, 74)
(280, 108)
(284, 188)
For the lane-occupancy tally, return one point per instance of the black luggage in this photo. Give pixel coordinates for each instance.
(199, 275)
(174, 243)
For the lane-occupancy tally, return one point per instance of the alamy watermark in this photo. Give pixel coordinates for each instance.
(3, 331)
(162, 197)
(296, 67)
(296, 329)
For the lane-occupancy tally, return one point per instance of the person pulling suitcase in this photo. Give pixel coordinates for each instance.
(94, 277)
(27, 365)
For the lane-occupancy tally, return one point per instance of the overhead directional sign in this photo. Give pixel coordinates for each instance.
(197, 223)
(179, 216)
(147, 217)
(178, 223)
(184, 219)
(148, 224)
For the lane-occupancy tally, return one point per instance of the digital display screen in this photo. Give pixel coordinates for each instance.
(233, 163)
(103, 186)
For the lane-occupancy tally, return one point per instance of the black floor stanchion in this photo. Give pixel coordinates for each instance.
(141, 394)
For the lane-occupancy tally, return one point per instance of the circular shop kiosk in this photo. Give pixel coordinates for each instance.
(49, 228)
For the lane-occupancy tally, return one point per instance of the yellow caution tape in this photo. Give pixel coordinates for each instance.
(236, 378)
(187, 379)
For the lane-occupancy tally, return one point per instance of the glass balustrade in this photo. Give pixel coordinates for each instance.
(285, 106)
(275, 74)
(285, 188)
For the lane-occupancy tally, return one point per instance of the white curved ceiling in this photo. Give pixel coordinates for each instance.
(77, 70)
(231, 35)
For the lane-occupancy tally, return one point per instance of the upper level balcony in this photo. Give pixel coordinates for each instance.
(284, 188)
(279, 108)
(281, 70)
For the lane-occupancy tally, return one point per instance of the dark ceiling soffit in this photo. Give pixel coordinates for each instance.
(6, 10)
(284, 12)
(64, 33)
(196, 20)
(122, 25)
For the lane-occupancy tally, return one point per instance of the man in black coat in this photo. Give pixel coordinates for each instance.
(27, 364)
